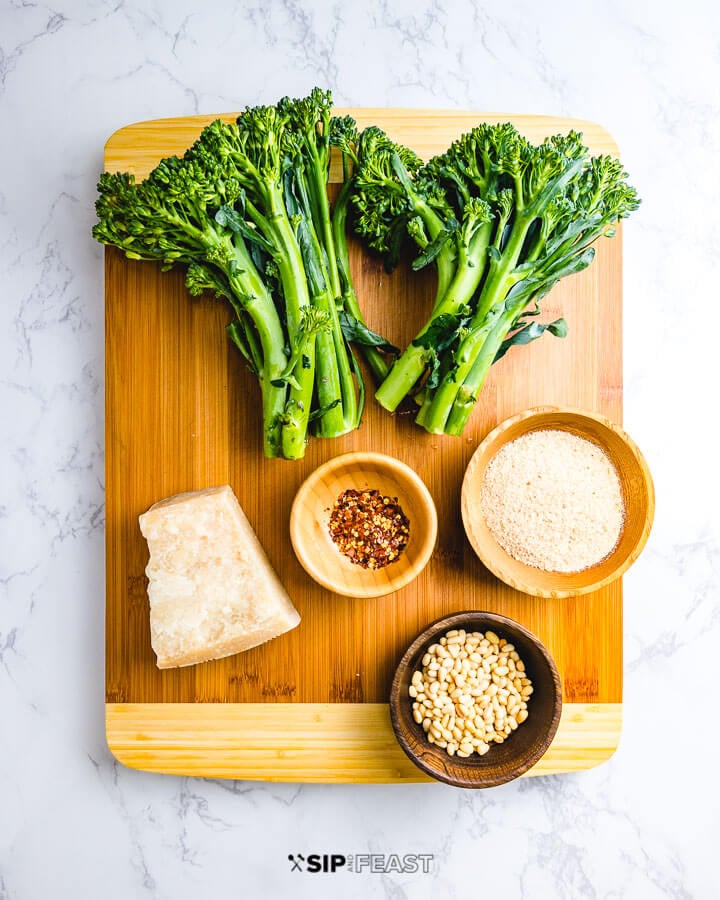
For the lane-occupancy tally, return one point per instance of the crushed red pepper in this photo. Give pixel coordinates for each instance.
(368, 528)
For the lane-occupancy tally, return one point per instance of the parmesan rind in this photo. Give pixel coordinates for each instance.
(211, 587)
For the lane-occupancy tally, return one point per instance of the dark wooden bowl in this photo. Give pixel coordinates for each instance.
(522, 748)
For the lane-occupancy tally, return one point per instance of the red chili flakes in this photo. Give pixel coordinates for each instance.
(368, 528)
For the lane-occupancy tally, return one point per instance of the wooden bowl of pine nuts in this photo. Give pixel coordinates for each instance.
(476, 700)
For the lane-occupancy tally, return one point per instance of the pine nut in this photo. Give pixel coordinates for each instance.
(472, 691)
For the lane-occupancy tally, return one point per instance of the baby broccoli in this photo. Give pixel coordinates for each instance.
(502, 220)
(246, 210)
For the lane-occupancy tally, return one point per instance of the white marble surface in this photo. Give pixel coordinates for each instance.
(74, 824)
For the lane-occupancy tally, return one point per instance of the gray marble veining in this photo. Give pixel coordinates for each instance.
(76, 824)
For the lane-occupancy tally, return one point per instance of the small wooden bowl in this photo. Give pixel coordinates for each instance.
(635, 481)
(310, 514)
(522, 748)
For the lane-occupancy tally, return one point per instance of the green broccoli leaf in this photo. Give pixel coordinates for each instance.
(531, 332)
(442, 331)
(359, 333)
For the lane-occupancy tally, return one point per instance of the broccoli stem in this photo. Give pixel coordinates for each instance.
(436, 409)
(501, 275)
(373, 357)
(252, 298)
(501, 278)
(409, 368)
(335, 384)
(446, 261)
(433, 223)
(317, 184)
(467, 394)
(273, 397)
(288, 259)
(336, 390)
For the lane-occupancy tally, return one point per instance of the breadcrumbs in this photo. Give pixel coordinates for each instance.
(553, 500)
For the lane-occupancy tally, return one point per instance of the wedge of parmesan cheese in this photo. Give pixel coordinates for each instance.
(212, 589)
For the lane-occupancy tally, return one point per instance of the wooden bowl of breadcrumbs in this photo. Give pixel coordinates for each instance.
(557, 502)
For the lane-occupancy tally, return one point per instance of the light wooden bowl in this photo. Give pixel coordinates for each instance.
(638, 495)
(522, 748)
(310, 515)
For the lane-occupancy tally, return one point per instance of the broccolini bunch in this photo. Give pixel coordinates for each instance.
(502, 220)
(246, 210)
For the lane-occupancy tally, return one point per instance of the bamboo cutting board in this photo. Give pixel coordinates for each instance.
(182, 414)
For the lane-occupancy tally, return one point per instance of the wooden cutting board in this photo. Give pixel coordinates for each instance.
(182, 414)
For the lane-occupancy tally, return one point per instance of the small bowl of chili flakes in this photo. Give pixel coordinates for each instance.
(363, 525)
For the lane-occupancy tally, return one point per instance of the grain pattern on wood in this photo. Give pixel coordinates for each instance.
(317, 742)
(182, 414)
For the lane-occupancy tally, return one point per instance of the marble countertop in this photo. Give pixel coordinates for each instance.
(73, 822)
